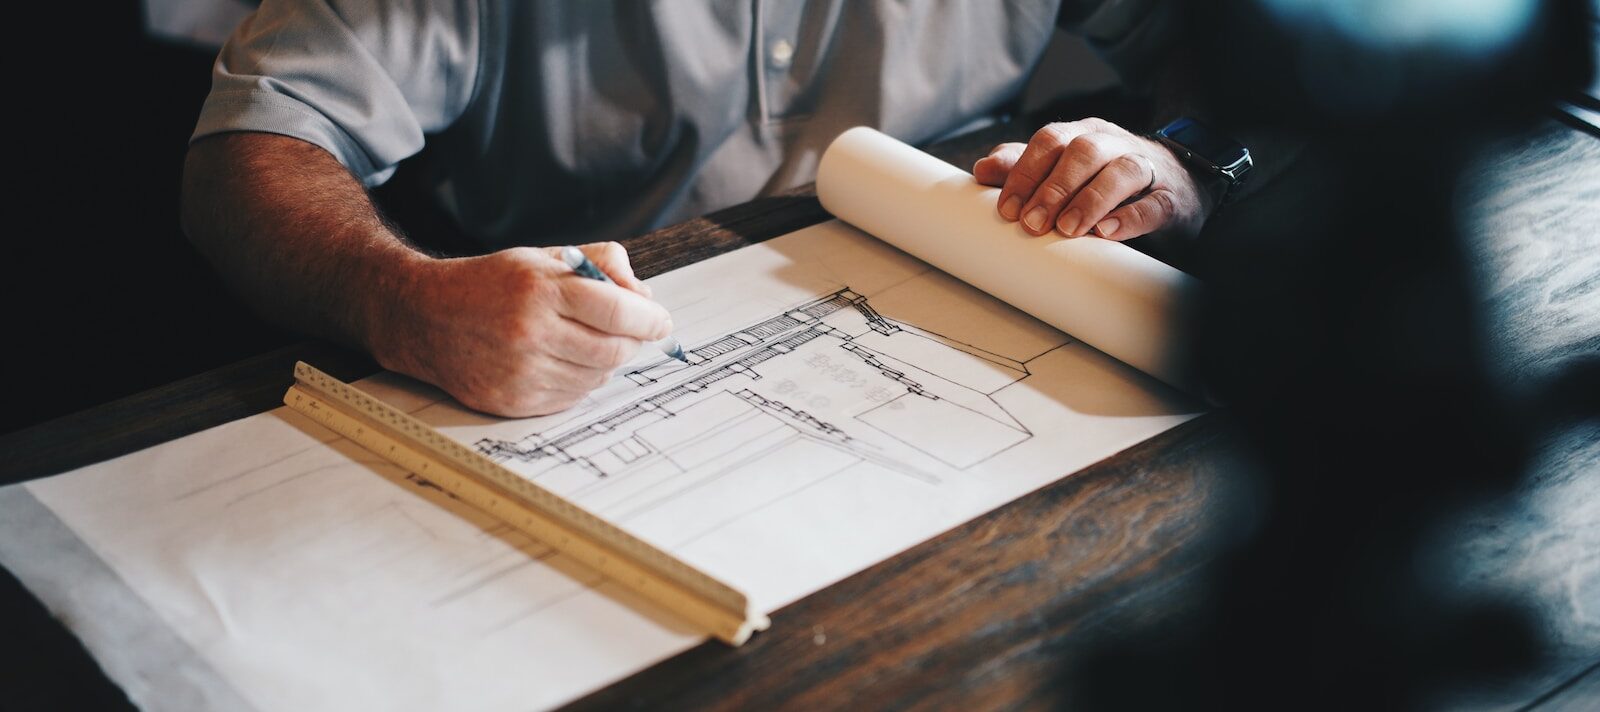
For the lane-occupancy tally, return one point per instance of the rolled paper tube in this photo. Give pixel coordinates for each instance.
(1103, 293)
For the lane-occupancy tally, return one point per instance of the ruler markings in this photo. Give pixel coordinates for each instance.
(697, 597)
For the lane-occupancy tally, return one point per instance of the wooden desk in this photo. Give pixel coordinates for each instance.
(992, 613)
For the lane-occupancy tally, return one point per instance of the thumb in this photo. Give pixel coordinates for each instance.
(994, 168)
(612, 258)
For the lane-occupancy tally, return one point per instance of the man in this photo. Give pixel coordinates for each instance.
(559, 123)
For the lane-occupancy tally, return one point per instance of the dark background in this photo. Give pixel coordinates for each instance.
(106, 297)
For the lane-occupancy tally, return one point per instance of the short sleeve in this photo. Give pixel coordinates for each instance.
(363, 79)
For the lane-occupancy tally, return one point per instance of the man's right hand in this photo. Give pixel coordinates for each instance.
(516, 332)
(513, 333)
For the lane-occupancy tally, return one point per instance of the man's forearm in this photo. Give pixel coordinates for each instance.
(513, 332)
(294, 233)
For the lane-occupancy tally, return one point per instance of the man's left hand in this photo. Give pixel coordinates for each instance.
(1094, 177)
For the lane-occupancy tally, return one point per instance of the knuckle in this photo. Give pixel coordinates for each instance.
(1162, 204)
(616, 313)
(1128, 165)
(521, 274)
(1108, 127)
(528, 282)
(1052, 192)
(1051, 134)
(1091, 196)
(523, 327)
(1087, 148)
(518, 331)
(1141, 213)
(1002, 148)
(1023, 175)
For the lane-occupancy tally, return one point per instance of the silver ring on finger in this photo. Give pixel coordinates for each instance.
(1149, 168)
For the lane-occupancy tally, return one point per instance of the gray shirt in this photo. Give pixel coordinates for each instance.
(564, 122)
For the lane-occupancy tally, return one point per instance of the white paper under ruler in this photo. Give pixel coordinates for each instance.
(846, 403)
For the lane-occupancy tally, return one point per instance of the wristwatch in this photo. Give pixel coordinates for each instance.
(1225, 160)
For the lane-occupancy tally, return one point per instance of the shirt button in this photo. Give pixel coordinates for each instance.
(781, 54)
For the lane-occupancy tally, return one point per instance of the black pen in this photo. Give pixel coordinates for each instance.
(580, 263)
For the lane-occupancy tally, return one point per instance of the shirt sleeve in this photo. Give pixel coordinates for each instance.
(363, 79)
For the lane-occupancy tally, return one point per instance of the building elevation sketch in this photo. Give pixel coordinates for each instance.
(827, 385)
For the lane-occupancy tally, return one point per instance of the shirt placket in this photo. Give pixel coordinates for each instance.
(776, 29)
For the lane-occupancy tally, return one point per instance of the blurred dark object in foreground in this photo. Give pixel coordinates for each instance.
(1344, 330)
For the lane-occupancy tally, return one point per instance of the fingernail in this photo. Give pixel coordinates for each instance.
(1068, 222)
(1108, 227)
(1035, 218)
(1009, 209)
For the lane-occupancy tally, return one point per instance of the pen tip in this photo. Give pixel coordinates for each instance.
(674, 348)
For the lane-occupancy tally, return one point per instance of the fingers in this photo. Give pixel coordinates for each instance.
(517, 333)
(570, 361)
(994, 168)
(1122, 178)
(585, 347)
(607, 309)
(612, 259)
(1077, 164)
(562, 376)
(1035, 164)
(567, 361)
(626, 312)
(1141, 217)
(1092, 176)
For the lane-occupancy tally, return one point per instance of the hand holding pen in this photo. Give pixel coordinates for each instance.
(580, 264)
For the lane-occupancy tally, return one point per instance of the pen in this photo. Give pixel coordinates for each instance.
(580, 263)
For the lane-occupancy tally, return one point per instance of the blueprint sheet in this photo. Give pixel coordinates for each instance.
(844, 402)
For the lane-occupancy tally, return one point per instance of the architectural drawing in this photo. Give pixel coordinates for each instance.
(830, 383)
(818, 430)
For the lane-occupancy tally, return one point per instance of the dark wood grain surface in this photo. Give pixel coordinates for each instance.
(995, 612)
(991, 614)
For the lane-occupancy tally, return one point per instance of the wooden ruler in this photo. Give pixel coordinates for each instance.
(699, 599)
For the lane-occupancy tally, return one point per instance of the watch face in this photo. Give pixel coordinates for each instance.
(1208, 145)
